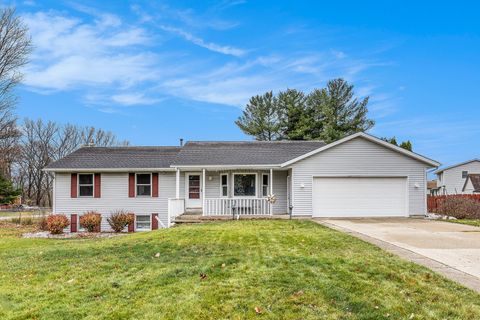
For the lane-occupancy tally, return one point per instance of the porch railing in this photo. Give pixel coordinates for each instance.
(175, 207)
(242, 206)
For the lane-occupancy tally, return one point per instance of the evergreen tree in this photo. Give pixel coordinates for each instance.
(261, 118)
(342, 113)
(406, 145)
(291, 106)
(7, 192)
(325, 114)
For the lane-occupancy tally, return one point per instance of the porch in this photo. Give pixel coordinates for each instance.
(233, 192)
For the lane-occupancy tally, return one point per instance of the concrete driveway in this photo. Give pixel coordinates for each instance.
(452, 245)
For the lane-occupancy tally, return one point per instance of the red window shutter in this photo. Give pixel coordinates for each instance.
(98, 185)
(73, 186)
(154, 221)
(155, 184)
(131, 185)
(73, 223)
(131, 226)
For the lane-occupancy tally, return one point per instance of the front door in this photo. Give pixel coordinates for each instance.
(193, 187)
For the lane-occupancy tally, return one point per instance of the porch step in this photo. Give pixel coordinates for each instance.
(194, 211)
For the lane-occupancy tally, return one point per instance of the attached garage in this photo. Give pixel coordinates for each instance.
(359, 176)
(360, 197)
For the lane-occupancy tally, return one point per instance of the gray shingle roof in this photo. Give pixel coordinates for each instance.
(192, 153)
(117, 157)
(243, 153)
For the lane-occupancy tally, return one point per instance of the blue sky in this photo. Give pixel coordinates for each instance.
(155, 71)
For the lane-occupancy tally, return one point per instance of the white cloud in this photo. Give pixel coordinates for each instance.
(228, 50)
(115, 63)
(129, 99)
(71, 54)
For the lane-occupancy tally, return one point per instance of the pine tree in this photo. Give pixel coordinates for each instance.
(261, 118)
(407, 145)
(7, 192)
(291, 105)
(325, 114)
(342, 113)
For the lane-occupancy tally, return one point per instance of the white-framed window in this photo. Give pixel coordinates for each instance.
(224, 185)
(143, 184)
(464, 174)
(265, 184)
(244, 184)
(85, 184)
(143, 223)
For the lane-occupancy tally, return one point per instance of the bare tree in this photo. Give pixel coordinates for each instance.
(15, 46)
(44, 142)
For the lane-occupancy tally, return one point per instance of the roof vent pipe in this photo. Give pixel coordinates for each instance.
(181, 142)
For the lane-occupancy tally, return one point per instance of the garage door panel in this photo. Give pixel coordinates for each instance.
(359, 197)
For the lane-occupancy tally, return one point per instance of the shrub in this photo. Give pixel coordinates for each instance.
(460, 207)
(42, 224)
(119, 220)
(56, 223)
(91, 221)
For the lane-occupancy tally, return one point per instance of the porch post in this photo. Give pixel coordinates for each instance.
(203, 191)
(177, 184)
(271, 189)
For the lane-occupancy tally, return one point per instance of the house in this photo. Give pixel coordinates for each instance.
(432, 188)
(452, 179)
(357, 176)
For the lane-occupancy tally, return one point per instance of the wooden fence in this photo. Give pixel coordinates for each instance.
(433, 202)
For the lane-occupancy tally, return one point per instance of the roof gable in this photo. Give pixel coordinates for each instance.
(457, 165)
(413, 155)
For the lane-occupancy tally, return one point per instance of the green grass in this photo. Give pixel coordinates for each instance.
(287, 269)
(18, 213)
(470, 222)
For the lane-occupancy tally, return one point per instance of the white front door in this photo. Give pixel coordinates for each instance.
(193, 190)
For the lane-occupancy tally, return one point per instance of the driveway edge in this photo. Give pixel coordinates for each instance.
(456, 275)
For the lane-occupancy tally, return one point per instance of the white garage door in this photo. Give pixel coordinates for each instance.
(359, 197)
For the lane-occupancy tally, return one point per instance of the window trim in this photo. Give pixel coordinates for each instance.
(136, 184)
(266, 185)
(222, 185)
(149, 221)
(93, 184)
(79, 227)
(241, 174)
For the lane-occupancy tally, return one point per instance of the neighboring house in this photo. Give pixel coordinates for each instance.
(452, 179)
(358, 176)
(472, 183)
(432, 188)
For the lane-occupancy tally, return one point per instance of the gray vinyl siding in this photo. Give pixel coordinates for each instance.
(114, 196)
(452, 181)
(358, 157)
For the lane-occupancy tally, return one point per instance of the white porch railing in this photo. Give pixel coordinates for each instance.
(237, 206)
(175, 207)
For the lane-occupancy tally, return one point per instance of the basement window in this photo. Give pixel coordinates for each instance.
(143, 223)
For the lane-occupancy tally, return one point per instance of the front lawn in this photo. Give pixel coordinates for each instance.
(229, 270)
(470, 222)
